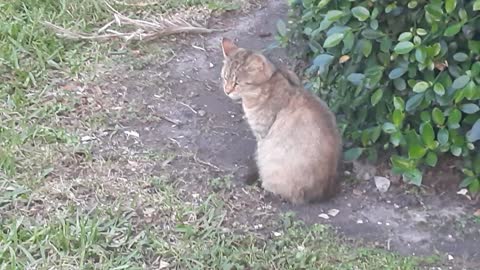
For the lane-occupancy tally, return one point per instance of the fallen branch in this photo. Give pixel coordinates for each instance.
(145, 30)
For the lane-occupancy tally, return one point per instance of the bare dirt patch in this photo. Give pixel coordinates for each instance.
(176, 106)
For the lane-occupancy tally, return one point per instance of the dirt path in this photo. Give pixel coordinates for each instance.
(182, 109)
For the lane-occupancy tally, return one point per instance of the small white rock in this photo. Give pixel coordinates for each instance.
(277, 234)
(462, 191)
(324, 216)
(87, 138)
(211, 65)
(132, 133)
(333, 212)
(450, 257)
(359, 221)
(382, 183)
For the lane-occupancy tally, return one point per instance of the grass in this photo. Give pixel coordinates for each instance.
(193, 236)
(63, 207)
(33, 63)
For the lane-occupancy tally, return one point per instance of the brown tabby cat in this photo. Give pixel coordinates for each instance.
(298, 144)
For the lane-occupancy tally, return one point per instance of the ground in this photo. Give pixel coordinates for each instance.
(155, 177)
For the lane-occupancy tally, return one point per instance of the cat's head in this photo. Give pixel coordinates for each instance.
(243, 70)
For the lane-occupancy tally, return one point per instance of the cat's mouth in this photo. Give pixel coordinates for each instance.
(231, 93)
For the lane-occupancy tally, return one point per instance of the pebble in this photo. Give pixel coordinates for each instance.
(202, 113)
(324, 216)
(333, 212)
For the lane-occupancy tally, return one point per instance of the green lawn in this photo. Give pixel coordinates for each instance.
(189, 237)
(39, 126)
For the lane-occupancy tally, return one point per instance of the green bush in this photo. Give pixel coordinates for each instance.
(402, 76)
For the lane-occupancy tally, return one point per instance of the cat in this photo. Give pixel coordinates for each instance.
(298, 143)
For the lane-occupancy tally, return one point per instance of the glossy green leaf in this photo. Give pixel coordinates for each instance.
(476, 69)
(360, 13)
(443, 136)
(438, 117)
(469, 108)
(420, 87)
(385, 45)
(397, 118)
(456, 150)
(375, 133)
(325, 24)
(322, 62)
(402, 163)
(434, 10)
(396, 138)
(428, 135)
(389, 128)
(450, 5)
(460, 57)
(399, 84)
(454, 118)
(413, 176)
(333, 40)
(413, 102)
(425, 116)
(323, 3)
(348, 41)
(416, 151)
(398, 103)
(397, 73)
(453, 29)
(356, 78)
(476, 5)
(405, 36)
(460, 82)
(366, 47)
(352, 154)
(431, 159)
(421, 32)
(404, 47)
(467, 181)
(474, 187)
(476, 164)
(474, 46)
(372, 34)
(376, 97)
(421, 54)
(333, 15)
(439, 89)
(473, 134)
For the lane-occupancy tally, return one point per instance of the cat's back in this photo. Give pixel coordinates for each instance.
(308, 109)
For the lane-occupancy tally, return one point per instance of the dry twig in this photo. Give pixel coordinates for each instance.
(144, 30)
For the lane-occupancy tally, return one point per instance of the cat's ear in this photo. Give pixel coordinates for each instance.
(258, 64)
(228, 47)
